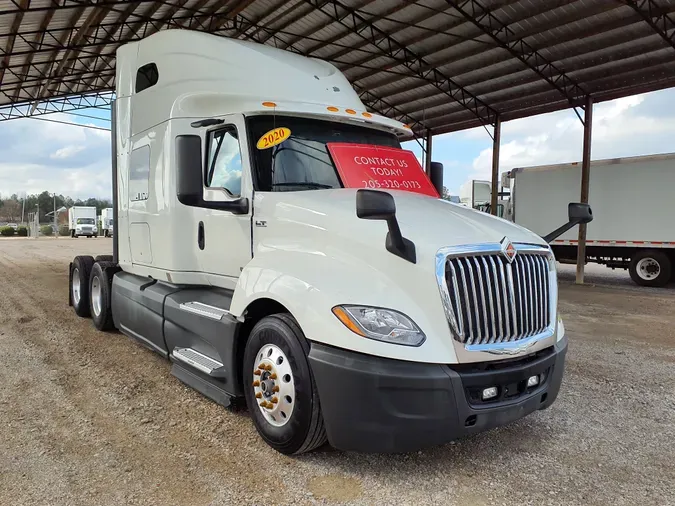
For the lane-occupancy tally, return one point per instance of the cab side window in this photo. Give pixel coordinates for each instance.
(223, 169)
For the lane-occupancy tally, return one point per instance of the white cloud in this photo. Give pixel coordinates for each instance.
(37, 155)
(631, 126)
(66, 152)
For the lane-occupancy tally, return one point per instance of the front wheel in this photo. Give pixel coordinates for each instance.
(650, 268)
(279, 386)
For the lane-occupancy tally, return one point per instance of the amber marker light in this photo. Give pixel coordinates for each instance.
(269, 104)
(350, 111)
(333, 109)
(344, 318)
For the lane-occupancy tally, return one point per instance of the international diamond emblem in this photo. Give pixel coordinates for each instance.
(508, 249)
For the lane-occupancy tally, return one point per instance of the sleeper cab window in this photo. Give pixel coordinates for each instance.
(146, 76)
(223, 169)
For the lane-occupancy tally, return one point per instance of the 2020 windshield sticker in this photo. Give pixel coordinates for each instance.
(273, 137)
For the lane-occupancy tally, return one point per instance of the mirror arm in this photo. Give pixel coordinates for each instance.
(397, 244)
(560, 230)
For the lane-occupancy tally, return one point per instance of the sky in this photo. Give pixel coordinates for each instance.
(74, 161)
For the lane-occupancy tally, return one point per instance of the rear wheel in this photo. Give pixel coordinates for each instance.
(650, 268)
(100, 290)
(279, 386)
(79, 284)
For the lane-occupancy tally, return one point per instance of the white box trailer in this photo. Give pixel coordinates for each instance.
(633, 208)
(82, 221)
(107, 224)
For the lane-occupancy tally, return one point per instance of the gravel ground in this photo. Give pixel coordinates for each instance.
(93, 418)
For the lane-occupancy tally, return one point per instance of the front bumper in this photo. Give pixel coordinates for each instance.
(85, 232)
(374, 404)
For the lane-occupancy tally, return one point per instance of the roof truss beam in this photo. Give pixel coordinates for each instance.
(656, 17)
(58, 104)
(400, 53)
(506, 38)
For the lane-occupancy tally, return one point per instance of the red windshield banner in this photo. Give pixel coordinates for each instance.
(380, 168)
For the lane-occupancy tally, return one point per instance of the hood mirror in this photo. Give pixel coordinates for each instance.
(577, 214)
(379, 205)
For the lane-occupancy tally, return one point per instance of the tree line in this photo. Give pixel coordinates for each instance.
(11, 207)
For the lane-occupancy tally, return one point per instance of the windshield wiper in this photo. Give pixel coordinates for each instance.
(304, 183)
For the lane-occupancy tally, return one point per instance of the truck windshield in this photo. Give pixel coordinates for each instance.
(85, 221)
(301, 161)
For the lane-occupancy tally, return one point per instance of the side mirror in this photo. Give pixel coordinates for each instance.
(436, 176)
(375, 205)
(379, 205)
(577, 214)
(189, 173)
(189, 188)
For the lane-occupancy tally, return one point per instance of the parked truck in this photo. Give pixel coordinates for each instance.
(634, 205)
(107, 222)
(476, 194)
(82, 221)
(276, 243)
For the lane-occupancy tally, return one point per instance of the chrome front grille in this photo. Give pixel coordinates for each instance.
(490, 300)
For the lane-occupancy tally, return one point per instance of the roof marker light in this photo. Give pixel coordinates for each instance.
(269, 104)
(366, 115)
(350, 111)
(333, 109)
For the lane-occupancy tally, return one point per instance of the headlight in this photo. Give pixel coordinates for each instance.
(381, 324)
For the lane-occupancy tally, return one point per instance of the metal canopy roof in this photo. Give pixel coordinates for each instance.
(438, 65)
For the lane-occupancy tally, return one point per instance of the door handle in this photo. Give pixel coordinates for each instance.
(200, 235)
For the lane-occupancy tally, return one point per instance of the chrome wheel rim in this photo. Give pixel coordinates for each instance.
(274, 385)
(76, 285)
(96, 295)
(648, 269)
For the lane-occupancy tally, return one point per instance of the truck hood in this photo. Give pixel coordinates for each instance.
(429, 222)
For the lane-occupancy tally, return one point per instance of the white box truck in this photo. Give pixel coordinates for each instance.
(82, 221)
(276, 243)
(632, 199)
(107, 222)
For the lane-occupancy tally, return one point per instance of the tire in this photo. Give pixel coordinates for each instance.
(95, 236)
(72, 234)
(303, 429)
(79, 284)
(105, 233)
(650, 268)
(100, 290)
(103, 258)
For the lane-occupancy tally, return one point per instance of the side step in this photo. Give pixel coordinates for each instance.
(199, 361)
(203, 386)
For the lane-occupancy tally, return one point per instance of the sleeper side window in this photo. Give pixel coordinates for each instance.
(146, 76)
(223, 169)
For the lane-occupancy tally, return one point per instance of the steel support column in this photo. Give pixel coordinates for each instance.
(585, 173)
(496, 139)
(427, 160)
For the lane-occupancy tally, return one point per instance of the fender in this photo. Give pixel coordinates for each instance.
(310, 283)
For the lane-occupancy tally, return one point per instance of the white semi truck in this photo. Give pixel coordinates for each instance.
(107, 222)
(82, 221)
(632, 198)
(275, 243)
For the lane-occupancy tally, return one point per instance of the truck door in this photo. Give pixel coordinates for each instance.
(224, 238)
